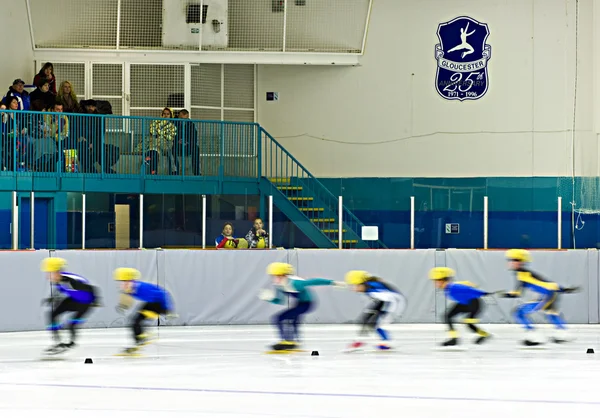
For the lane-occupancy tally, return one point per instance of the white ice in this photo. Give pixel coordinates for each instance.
(222, 372)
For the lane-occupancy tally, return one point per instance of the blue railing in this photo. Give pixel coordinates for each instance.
(66, 144)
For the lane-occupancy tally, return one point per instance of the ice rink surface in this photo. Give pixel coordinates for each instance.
(222, 372)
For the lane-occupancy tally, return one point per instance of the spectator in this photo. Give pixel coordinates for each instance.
(67, 98)
(12, 140)
(186, 142)
(57, 128)
(18, 90)
(226, 239)
(43, 94)
(160, 141)
(46, 73)
(257, 237)
(88, 132)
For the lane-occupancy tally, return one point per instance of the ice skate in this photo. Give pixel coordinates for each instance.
(129, 352)
(483, 336)
(285, 346)
(531, 339)
(383, 347)
(561, 336)
(355, 346)
(56, 349)
(452, 342)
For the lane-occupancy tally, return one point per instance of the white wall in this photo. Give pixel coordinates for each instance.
(385, 117)
(15, 49)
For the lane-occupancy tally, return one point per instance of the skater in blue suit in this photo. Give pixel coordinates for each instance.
(71, 293)
(157, 301)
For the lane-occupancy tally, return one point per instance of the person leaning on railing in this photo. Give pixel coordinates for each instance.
(57, 128)
(159, 142)
(186, 143)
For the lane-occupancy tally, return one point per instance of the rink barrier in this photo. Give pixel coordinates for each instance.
(221, 287)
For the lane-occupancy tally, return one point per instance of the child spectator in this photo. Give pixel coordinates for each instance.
(257, 237)
(226, 239)
(67, 98)
(18, 90)
(46, 73)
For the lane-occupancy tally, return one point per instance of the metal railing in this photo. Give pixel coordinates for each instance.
(67, 144)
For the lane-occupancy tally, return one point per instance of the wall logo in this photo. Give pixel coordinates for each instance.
(462, 57)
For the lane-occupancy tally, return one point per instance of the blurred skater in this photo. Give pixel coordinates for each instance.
(157, 301)
(69, 293)
(289, 286)
(385, 302)
(466, 298)
(546, 301)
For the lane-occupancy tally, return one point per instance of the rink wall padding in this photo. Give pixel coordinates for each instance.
(221, 287)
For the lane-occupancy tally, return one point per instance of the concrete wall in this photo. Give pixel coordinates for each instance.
(386, 119)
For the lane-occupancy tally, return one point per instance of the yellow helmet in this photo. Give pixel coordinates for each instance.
(280, 269)
(53, 264)
(518, 255)
(441, 273)
(126, 274)
(356, 277)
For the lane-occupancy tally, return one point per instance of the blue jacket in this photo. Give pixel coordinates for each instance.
(24, 101)
(151, 293)
(463, 292)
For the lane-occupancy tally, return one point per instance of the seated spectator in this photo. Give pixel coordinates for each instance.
(226, 239)
(46, 73)
(68, 98)
(87, 132)
(18, 90)
(13, 140)
(160, 141)
(186, 143)
(257, 237)
(43, 94)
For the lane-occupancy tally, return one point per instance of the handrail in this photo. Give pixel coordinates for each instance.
(325, 189)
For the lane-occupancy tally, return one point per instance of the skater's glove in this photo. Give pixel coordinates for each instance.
(171, 315)
(121, 309)
(50, 301)
(266, 294)
(510, 295)
(570, 289)
(97, 303)
(339, 285)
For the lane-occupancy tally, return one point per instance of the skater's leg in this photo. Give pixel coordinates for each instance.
(147, 311)
(65, 306)
(522, 313)
(474, 309)
(301, 309)
(78, 319)
(456, 309)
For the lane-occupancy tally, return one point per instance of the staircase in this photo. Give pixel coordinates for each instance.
(305, 201)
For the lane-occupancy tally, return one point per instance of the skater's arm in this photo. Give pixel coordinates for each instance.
(302, 284)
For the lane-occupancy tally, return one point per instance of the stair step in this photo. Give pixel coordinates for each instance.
(323, 220)
(284, 180)
(332, 231)
(298, 188)
(346, 241)
(311, 209)
(303, 199)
